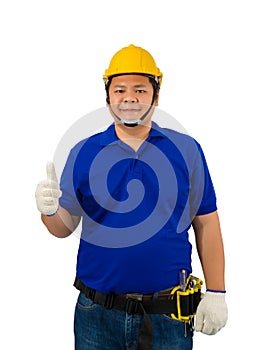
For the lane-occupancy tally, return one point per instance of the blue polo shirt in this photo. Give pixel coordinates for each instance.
(136, 208)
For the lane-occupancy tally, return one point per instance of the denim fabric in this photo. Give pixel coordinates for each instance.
(97, 328)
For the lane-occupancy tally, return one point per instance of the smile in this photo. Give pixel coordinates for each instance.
(130, 110)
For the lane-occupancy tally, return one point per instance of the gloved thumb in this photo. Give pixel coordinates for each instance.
(51, 172)
(199, 322)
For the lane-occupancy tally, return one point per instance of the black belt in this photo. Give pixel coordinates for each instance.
(130, 303)
(140, 304)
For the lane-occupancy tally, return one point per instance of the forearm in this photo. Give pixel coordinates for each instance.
(61, 224)
(210, 250)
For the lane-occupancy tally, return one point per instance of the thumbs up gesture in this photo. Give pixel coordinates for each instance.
(48, 192)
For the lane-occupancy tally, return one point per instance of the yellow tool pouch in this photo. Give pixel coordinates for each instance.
(187, 300)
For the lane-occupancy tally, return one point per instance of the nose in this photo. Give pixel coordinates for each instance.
(130, 98)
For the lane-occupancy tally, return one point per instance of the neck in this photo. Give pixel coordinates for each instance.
(133, 136)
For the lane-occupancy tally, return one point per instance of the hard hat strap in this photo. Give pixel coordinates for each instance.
(132, 123)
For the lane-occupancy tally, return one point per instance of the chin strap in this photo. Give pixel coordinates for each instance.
(132, 123)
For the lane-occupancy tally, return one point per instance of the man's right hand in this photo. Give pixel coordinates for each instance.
(48, 192)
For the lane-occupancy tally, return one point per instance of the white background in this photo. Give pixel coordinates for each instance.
(53, 54)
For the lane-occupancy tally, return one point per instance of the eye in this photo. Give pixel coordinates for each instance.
(140, 91)
(118, 91)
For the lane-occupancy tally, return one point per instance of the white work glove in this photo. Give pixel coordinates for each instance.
(48, 192)
(212, 313)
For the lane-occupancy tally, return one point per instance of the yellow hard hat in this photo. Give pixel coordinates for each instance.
(133, 59)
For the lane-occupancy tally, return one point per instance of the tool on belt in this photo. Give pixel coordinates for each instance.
(179, 302)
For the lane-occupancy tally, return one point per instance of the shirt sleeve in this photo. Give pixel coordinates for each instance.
(203, 197)
(68, 199)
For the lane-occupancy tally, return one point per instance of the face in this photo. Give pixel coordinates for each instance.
(131, 96)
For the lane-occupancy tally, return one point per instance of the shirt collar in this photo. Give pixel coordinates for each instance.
(156, 131)
(109, 135)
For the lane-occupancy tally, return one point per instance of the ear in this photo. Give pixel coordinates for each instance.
(156, 100)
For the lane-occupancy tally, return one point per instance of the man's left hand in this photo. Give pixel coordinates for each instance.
(212, 313)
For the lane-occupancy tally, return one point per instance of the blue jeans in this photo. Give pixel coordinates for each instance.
(97, 328)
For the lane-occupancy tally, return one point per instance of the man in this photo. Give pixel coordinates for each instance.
(138, 189)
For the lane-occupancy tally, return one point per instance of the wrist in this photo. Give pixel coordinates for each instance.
(52, 214)
(215, 291)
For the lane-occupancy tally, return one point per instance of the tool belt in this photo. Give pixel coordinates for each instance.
(180, 305)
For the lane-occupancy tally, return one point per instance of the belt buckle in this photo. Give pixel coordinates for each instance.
(135, 296)
(133, 301)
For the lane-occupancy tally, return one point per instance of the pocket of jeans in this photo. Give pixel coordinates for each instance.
(170, 319)
(85, 303)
